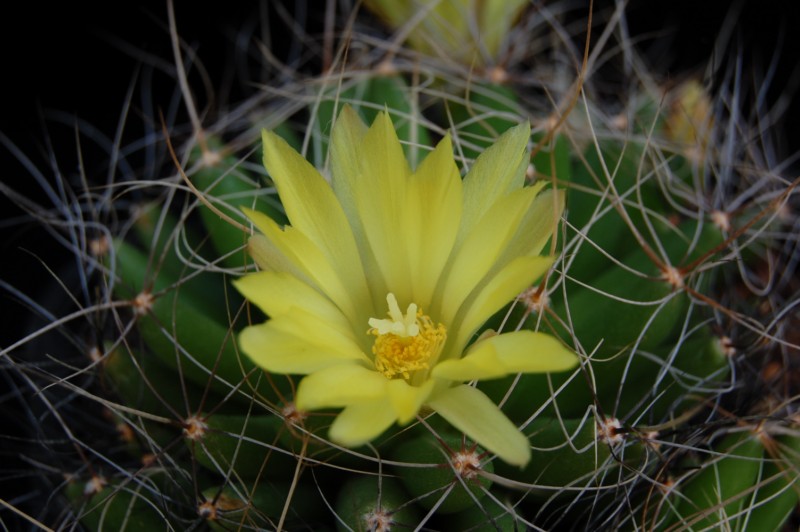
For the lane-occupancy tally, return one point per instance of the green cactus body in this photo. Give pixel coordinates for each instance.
(488, 516)
(182, 331)
(487, 112)
(372, 503)
(157, 228)
(779, 488)
(438, 471)
(116, 507)
(260, 507)
(247, 446)
(176, 331)
(142, 384)
(654, 385)
(226, 185)
(616, 292)
(145, 385)
(572, 455)
(648, 327)
(718, 493)
(593, 209)
(137, 274)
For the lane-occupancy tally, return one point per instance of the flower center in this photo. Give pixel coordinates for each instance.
(405, 343)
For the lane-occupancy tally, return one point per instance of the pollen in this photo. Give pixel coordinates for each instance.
(405, 343)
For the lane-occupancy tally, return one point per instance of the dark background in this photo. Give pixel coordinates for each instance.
(67, 57)
(64, 56)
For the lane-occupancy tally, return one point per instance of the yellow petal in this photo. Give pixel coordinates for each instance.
(309, 201)
(370, 178)
(276, 292)
(347, 138)
(504, 354)
(536, 226)
(481, 250)
(286, 251)
(281, 352)
(320, 332)
(530, 352)
(481, 365)
(360, 423)
(340, 385)
(471, 412)
(314, 210)
(346, 143)
(270, 258)
(497, 171)
(406, 400)
(497, 292)
(381, 201)
(313, 265)
(457, 30)
(346, 154)
(432, 221)
(445, 31)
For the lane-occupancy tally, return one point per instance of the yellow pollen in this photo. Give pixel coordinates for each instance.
(405, 343)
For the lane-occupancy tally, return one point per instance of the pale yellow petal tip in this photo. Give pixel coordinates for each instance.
(384, 120)
(349, 113)
(241, 285)
(512, 447)
(473, 413)
(258, 218)
(303, 401)
(407, 400)
(519, 135)
(361, 423)
(349, 117)
(270, 138)
(349, 120)
(345, 438)
(274, 147)
(517, 453)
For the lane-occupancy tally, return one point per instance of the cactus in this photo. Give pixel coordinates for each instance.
(653, 406)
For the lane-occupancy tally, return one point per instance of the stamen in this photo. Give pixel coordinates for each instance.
(405, 343)
(398, 324)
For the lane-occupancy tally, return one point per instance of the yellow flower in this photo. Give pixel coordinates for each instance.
(462, 30)
(377, 288)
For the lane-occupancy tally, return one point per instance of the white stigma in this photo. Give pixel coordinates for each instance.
(398, 324)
